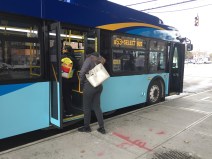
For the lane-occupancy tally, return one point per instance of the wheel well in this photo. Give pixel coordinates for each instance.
(162, 84)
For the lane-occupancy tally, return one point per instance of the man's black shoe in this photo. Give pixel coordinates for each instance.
(101, 130)
(84, 129)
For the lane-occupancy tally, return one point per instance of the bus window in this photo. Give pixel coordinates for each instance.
(161, 65)
(19, 51)
(175, 59)
(129, 55)
(116, 61)
(153, 61)
(128, 60)
(140, 60)
(157, 57)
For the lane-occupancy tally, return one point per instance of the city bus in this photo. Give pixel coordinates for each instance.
(144, 57)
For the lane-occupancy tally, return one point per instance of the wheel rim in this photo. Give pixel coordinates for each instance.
(154, 93)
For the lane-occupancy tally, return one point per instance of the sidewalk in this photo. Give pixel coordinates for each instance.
(177, 128)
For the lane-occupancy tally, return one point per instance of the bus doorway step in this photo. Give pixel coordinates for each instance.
(77, 114)
(73, 118)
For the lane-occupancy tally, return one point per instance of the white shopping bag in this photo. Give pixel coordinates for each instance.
(97, 75)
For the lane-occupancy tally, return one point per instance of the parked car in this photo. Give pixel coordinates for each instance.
(200, 61)
(186, 61)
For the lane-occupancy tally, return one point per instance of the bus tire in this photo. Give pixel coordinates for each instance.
(154, 92)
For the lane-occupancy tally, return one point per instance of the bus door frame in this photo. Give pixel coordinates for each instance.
(95, 31)
(56, 114)
(176, 67)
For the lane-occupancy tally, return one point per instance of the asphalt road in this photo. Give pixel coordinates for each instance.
(197, 78)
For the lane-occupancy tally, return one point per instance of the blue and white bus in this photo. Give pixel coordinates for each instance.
(145, 59)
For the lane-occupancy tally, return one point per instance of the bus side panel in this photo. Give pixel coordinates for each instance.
(123, 91)
(166, 80)
(23, 108)
(14, 6)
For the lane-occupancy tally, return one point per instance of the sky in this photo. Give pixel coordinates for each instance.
(183, 20)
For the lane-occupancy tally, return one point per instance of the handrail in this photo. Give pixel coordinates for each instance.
(79, 87)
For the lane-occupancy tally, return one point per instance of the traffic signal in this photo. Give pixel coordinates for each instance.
(196, 21)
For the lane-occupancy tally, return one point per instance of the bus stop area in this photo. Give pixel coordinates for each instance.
(179, 128)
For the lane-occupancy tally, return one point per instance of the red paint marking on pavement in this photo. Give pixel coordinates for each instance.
(101, 153)
(160, 133)
(122, 145)
(138, 143)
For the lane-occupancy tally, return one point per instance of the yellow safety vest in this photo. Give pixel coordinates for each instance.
(66, 68)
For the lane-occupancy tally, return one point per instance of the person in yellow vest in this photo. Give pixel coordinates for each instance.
(69, 67)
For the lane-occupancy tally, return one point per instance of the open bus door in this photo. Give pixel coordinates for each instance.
(91, 39)
(176, 68)
(55, 74)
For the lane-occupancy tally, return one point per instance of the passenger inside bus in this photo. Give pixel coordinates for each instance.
(130, 63)
(69, 79)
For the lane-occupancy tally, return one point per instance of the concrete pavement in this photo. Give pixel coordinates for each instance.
(178, 128)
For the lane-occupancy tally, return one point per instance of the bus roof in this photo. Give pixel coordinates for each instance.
(91, 13)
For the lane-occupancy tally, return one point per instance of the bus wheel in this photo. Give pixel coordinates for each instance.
(154, 93)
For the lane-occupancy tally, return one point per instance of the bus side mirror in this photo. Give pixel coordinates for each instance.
(189, 47)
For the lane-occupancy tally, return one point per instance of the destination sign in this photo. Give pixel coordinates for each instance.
(127, 42)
